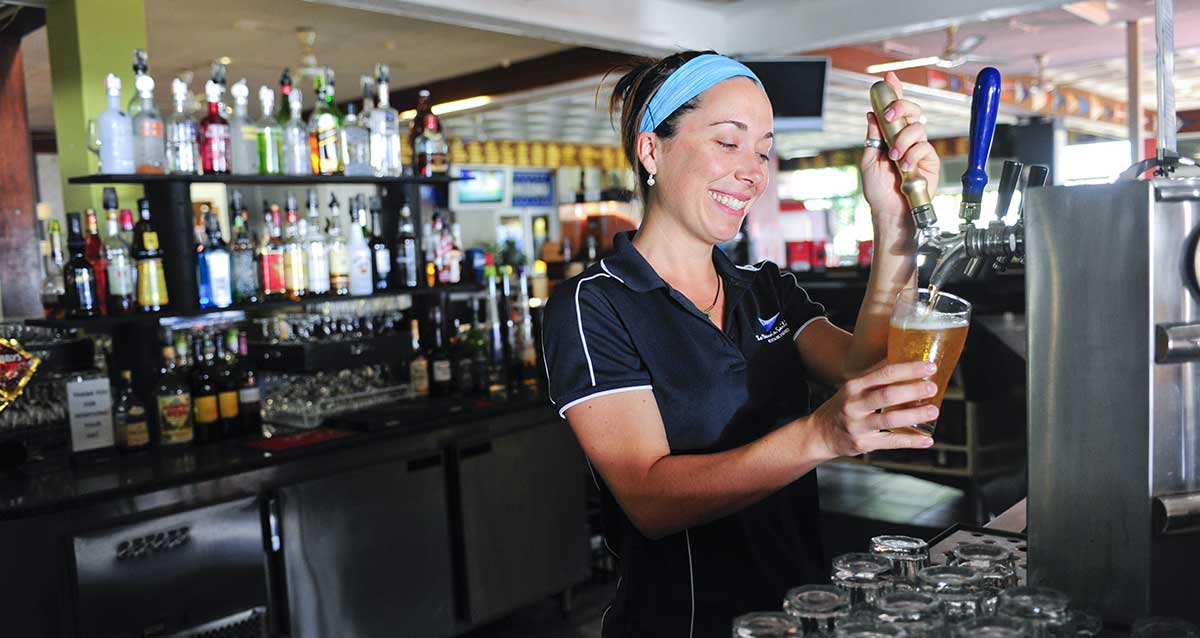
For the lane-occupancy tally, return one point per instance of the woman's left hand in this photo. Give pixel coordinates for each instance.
(880, 175)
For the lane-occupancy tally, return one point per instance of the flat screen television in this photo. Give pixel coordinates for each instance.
(796, 87)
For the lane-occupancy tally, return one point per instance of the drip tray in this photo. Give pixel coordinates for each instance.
(941, 548)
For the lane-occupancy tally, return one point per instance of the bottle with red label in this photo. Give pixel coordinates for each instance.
(431, 150)
(172, 403)
(93, 251)
(271, 258)
(214, 134)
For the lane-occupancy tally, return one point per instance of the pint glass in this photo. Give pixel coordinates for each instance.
(935, 332)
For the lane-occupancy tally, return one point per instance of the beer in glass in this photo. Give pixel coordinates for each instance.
(924, 331)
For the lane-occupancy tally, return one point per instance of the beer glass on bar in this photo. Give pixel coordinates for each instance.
(925, 331)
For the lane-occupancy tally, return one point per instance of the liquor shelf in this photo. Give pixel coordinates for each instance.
(157, 178)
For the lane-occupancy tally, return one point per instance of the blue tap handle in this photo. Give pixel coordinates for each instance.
(984, 106)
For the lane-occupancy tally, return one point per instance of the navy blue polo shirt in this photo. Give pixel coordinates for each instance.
(618, 327)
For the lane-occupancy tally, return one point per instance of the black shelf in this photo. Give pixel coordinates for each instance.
(103, 324)
(152, 178)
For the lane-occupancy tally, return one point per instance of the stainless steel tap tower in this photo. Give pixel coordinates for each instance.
(1113, 312)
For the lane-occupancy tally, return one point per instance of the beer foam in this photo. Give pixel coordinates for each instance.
(930, 321)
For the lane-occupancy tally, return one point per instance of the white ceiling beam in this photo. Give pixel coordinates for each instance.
(777, 28)
(645, 27)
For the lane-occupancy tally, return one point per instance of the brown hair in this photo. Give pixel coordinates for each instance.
(632, 94)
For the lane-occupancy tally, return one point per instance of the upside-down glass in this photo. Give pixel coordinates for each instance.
(924, 331)
(918, 614)
(863, 576)
(764, 624)
(996, 565)
(817, 608)
(909, 555)
(1042, 609)
(990, 627)
(959, 589)
(868, 629)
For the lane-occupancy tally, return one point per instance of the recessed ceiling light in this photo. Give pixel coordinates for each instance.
(226, 60)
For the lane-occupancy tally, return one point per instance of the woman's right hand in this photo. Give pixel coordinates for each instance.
(850, 423)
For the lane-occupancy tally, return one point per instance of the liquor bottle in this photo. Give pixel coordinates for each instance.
(464, 366)
(295, 276)
(497, 333)
(405, 254)
(115, 132)
(434, 255)
(119, 255)
(368, 90)
(93, 250)
(141, 68)
(241, 255)
(132, 432)
(149, 146)
(361, 278)
(249, 396)
(431, 149)
(441, 369)
(271, 258)
(206, 411)
(203, 283)
(243, 134)
(339, 252)
(214, 134)
(286, 112)
(53, 288)
(316, 249)
(380, 251)
(183, 145)
(418, 124)
(173, 402)
(151, 281)
(297, 157)
(79, 277)
(478, 342)
(269, 135)
(356, 144)
(526, 349)
(418, 365)
(451, 253)
(227, 384)
(384, 122)
(324, 129)
(218, 265)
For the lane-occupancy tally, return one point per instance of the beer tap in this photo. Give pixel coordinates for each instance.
(1037, 178)
(913, 185)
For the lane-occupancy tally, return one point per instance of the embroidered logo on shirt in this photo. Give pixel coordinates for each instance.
(769, 322)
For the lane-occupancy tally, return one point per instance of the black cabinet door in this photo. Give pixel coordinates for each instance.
(524, 518)
(367, 552)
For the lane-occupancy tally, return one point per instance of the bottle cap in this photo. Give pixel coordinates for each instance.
(296, 99)
(110, 198)
(376, 203)
(382, 73)
(312, 199)
(112, 84)
(213, 91)
(368, 86)
(291, 201)
(179, 89)
(144, 85)
(235, 202)
(126, 217)
(144, 207)
(141, 62)
(210, 222)
(285, 79)
(239, 91)
(266, 97)
(74, 226)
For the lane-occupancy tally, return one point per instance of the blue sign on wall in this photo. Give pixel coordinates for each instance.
(532, 189)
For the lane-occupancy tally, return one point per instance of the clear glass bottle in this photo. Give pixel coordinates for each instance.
(121, 270)
(405, 255)
(183, 144)
(361, 278)
(243, 133)
(817, 608)
(863, 576)
(217, 260)
(764, 624)
(149, 144)
(959, 590)
(53, 287)
(917, 613)
(115, 132)
(325, 129)
(241, 254)
(339, 252)
(316, 249)
(295, 275)
(297, 157)
(909, 555)
(384, 123)
(356, 144)
(269, 135)
(141, 68)
(381, 252)
(214, 134)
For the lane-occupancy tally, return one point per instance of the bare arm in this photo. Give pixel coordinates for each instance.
(662, 493)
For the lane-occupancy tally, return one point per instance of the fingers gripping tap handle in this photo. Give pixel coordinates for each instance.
(985, 104)
(913, 185)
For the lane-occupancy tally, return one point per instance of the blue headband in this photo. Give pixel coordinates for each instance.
(688, 81)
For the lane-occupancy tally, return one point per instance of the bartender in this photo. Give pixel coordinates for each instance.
(685, 377)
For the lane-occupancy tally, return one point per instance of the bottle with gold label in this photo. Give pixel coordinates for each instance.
(227, 383)
(206, 408)
(418, 365)
(339, 252)
(295, 270)
(132, 430)
(151, 281)
(173, 403)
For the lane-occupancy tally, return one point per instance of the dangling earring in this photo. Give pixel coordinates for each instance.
(650, 180)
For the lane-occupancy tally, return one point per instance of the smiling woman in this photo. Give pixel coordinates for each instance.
(685, 376)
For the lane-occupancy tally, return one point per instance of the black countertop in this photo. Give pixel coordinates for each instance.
(167, 476)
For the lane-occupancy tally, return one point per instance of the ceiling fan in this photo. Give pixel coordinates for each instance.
(308, 67)
(955, 54)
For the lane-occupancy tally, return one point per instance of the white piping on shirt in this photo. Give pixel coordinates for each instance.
(562, 411)
(579, 319)
(610, 273)
(806, 324)
(754, 268)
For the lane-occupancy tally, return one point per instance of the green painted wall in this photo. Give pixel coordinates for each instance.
(89, 39)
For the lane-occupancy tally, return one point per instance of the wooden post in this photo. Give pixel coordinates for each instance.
(1133, 105)
(20, 263)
